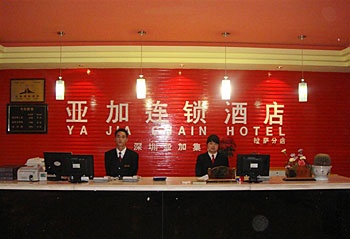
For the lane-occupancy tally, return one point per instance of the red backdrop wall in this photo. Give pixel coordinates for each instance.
(320, 125)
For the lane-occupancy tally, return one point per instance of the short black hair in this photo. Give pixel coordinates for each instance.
(121, 130)
(213, 138)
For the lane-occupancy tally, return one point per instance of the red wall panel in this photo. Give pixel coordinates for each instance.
(320, 125)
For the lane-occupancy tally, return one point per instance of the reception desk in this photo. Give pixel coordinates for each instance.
(180, 207)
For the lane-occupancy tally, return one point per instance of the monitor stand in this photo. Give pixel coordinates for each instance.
(253, 179)
(55, 178)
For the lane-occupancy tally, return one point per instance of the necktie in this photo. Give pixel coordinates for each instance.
(120, 156)
(212, 158)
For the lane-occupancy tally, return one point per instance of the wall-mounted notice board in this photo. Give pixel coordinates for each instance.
(27, 118)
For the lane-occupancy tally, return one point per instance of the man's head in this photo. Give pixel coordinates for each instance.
(121, 137)
(213, 142)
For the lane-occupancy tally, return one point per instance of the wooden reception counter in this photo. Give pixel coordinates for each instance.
(180, 207)
(181, 184)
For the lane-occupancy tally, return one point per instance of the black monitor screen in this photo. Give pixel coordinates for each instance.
(253, 165)
(81, 165)
(57, 164)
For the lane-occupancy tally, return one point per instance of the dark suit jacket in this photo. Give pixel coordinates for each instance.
(204, 162)
(127, 167)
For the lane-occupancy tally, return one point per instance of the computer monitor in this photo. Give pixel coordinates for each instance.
(253, 165)
(81, 165)
(56, 165)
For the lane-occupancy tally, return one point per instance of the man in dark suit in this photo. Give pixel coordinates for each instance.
(121, 161)
(212, 158)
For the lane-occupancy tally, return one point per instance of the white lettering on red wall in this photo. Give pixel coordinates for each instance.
(156, 116)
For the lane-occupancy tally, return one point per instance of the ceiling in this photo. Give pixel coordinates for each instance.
(251, 23)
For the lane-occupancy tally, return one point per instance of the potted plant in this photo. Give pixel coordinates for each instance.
(322, 166)
(297, 165)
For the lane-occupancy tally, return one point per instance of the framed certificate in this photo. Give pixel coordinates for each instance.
(27, 90)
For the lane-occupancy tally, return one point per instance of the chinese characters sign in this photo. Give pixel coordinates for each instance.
(194, 115)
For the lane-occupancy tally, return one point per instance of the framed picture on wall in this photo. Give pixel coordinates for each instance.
(27, 90)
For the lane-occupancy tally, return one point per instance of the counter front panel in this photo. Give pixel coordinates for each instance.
(176, 208)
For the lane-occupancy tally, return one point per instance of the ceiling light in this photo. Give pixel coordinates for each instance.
(225, 83)
(60, 88)
(302, 88)
(141, 82)
(180, 71)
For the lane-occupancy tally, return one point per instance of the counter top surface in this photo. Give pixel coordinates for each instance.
(180, 184)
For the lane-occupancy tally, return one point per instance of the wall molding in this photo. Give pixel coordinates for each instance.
(172, 57)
